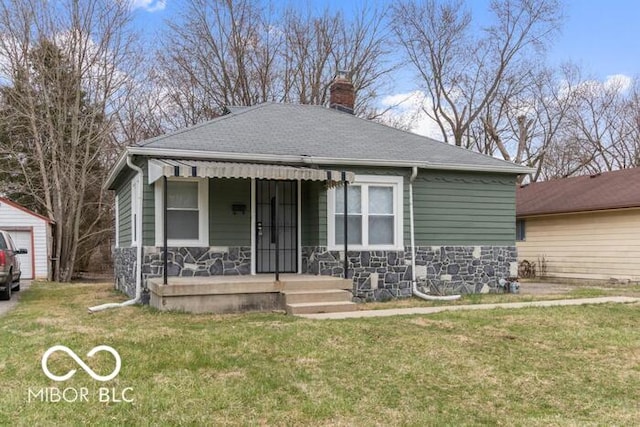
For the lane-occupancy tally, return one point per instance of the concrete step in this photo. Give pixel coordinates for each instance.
(324, 295)
(315, 283)
(320, 307)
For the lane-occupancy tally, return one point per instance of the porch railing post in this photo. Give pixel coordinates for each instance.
(346, 233)
(277, 231)
(165, 255)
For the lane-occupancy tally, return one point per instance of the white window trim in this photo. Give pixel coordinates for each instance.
(134, 211)
(203, 214)
(397, 182)
(117, 220)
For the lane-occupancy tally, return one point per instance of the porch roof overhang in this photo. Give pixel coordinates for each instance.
(213, 169)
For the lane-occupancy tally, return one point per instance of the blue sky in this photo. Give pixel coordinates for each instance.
(603, 36)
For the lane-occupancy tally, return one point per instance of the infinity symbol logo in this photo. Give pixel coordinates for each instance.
(87, 369)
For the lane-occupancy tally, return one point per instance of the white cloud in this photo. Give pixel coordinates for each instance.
(407, 108)
(149, 5)
(620, 82)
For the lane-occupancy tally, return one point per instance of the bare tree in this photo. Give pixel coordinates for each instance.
(602, 123)
(218, 53)
(318, 46)
(462, 72)
(236, 52)
(65, 72)
(529, 117)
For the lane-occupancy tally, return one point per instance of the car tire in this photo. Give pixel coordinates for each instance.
(16, 284)
(6, 295)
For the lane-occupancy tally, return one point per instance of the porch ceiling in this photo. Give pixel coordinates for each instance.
(212, 169)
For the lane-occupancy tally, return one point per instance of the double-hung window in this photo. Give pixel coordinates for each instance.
(374, 214)
(187, 212)
(182, 210)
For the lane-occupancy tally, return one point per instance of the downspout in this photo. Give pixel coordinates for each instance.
(414, 282)
(140, 177)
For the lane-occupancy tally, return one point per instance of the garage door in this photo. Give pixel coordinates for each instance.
(22, 240)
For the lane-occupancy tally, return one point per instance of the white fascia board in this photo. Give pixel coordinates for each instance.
(115, 170)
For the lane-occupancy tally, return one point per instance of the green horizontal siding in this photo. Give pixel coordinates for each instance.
(148, 206)
(123, 189)
(311, 217)
(225, 228)
(322, 217)
(463, 208)
(124, 214)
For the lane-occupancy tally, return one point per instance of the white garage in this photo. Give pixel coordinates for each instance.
(29, 231)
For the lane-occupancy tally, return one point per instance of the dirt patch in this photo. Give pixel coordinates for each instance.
(540, 288)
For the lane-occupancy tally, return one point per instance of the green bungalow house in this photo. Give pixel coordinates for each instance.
(260, 192)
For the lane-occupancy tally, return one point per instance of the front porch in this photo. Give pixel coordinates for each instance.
(295, 293)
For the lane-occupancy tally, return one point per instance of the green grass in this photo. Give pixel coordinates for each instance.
(554, 366)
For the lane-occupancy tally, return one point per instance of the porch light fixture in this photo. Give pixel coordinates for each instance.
(237, 208)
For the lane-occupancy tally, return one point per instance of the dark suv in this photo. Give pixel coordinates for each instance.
(9, 266)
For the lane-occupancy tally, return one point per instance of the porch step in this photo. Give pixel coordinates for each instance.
(316, 283)
(320, 307)
(324, 295)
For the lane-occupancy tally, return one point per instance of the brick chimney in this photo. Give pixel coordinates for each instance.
(342, 94)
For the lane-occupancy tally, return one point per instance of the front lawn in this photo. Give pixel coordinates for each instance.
(565, 365)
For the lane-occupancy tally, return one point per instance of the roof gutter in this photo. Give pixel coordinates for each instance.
(456, 166)
(311, 160)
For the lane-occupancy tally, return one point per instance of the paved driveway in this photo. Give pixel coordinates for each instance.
(5, 306)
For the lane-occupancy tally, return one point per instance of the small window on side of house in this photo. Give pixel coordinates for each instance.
(183, 210)
(520, 230)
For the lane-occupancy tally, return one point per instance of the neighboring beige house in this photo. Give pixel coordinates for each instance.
(585, 227)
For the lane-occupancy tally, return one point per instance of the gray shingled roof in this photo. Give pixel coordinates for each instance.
(305, 130)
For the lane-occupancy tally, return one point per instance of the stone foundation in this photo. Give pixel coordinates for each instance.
(197, 261)
(440, 270)
(377, 275)
(182, 262)
(124, 269)
(444, 270)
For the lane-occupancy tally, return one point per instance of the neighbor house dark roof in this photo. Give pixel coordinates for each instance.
(609, 190)
(315, 131)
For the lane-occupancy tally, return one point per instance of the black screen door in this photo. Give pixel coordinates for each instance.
(266, 226)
